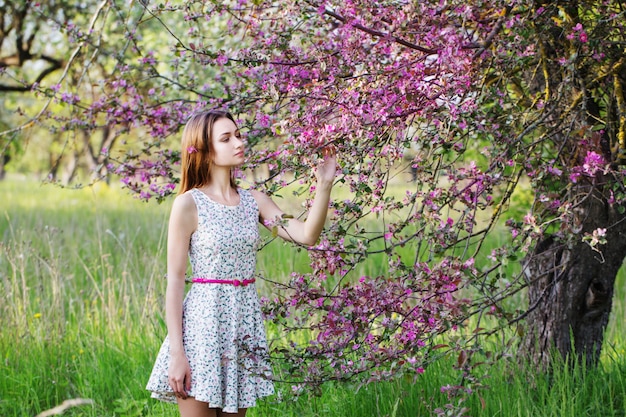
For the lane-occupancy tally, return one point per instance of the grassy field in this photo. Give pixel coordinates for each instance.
(82, 276)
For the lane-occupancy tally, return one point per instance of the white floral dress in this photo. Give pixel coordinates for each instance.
(223, 331)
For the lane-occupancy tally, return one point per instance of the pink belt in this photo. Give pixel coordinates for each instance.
(235, 282)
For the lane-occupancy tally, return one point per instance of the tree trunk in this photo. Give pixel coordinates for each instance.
(571, 286)
(71, 168)
(4, 160)
(97, 159)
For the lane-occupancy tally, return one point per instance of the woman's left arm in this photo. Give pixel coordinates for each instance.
(304, 232)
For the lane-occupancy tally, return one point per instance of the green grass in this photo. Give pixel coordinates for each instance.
(82, 276)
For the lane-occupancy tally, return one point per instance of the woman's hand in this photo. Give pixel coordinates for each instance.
(328, 166)
(179, 375)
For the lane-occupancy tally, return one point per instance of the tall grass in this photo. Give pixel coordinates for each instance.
(82, 276)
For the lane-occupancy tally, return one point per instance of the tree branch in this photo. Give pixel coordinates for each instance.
(496, 29)
(379, 34)
(6, 61)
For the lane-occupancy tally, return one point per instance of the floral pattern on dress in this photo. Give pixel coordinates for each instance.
(223, 332)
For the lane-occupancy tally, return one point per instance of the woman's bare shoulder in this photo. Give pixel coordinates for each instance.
(184, 202)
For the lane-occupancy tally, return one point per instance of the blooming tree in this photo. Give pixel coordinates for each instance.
(473, 98)
(561, 77)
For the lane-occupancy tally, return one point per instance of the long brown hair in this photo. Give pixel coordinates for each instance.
(197, 150)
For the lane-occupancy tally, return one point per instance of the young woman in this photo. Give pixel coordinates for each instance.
(214, 360)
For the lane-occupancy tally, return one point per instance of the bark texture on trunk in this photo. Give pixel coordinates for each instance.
(571, 286)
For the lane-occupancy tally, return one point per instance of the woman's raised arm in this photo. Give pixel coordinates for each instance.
(304, 232)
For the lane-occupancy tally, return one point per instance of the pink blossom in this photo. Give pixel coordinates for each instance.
(593, 163)
(554, 170)
(222, 59)
(611, 199)
(264, 120)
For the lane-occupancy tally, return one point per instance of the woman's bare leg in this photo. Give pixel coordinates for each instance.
(190, 407)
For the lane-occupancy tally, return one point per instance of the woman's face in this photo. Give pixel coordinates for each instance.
(228, 147)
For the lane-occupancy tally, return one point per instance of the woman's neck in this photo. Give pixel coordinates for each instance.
(220, 184)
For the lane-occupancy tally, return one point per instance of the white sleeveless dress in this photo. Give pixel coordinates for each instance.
(223, 332)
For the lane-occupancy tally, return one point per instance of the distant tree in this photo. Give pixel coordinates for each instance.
(486, 94)
(26, 60)
(43, 46)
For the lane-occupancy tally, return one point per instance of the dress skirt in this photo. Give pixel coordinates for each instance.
(225, 343)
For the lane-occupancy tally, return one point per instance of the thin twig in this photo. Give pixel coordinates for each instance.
(60, 409)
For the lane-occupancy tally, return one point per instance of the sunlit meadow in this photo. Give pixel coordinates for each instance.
(82, 273)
